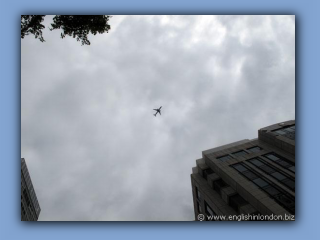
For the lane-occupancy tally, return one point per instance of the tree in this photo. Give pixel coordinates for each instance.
(31, 24)
(77, 26)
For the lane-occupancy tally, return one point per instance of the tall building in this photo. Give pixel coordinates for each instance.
(30, 208)
(249, 179)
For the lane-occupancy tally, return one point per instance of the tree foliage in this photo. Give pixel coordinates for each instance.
(76, 26)
(31, 24)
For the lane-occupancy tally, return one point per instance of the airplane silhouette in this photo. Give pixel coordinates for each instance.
(158, 111)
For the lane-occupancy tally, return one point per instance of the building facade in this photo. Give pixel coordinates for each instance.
(30, 208)
(249, 179)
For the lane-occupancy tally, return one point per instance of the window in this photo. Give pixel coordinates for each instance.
(267, 169)
(217, 185)
(240, 153)
(207, 172)
(288, 132)
(280, 161)
(274, 172)
(25, 194)
(289, 183)
(240, 167)
(209, 212)
(260, 182)
(23, 210)
(256, 162)
(254, 149)
(249, 174)
(279, 195)
(284, 163)
(289, 129)
(224, 158)
(272, 157)
(280, 132)
(198, 194)
(286, 201)
(245, 171)
(271, 190)
(199, 207)
(236, 201)
(278, 176)
(292, 169)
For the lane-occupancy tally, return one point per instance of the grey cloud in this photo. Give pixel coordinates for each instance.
(93, 147)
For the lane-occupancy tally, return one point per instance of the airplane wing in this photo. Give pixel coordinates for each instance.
(155, 109)
(160, 112)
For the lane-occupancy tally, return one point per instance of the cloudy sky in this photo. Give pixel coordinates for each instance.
(92, 145)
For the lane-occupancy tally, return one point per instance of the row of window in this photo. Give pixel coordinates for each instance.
(208, 210)
(288, 132)
(235, 201)
(23, 210)
(273, 172)
(25, 175)
(25, 194)
(285, 130)
(28, 201)
(271, 156)
(240, 153)
(282, 198)
(280, 161)
(30, 216)
(198, 196)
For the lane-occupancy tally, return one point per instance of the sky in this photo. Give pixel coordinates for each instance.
(93, 147)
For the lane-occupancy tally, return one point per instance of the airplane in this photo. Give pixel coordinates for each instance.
(158, 111)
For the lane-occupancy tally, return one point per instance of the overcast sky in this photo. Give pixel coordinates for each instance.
(92, 145)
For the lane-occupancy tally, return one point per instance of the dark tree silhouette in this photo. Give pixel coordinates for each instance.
(77, 26)
(31, 24)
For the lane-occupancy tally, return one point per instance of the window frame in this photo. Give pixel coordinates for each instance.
(223, 156)
(240, 151)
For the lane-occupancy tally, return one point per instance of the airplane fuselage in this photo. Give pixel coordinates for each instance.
(158, 110)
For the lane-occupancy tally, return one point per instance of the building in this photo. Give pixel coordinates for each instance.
(30, 208)
(249, 179)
